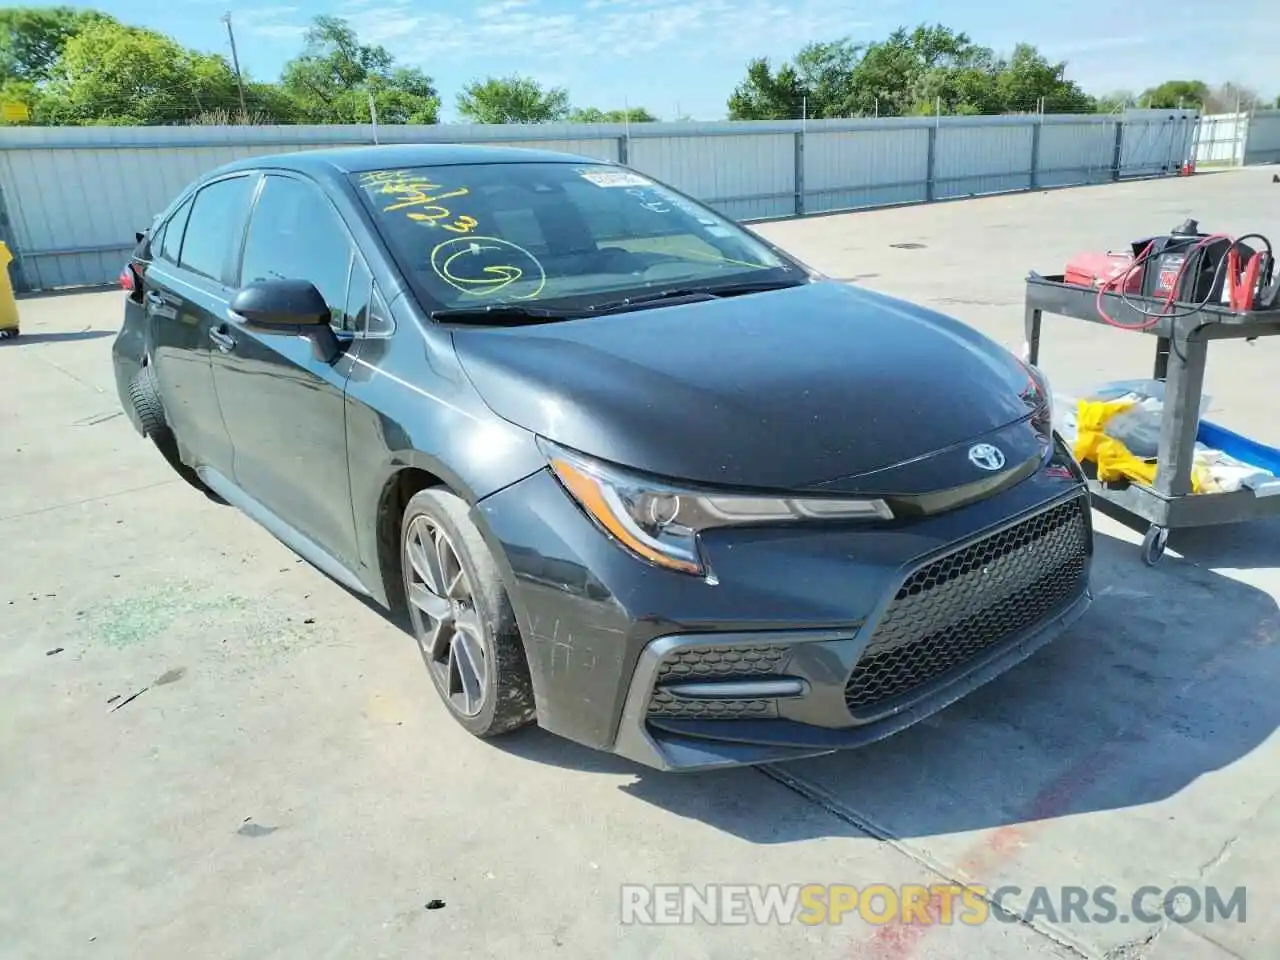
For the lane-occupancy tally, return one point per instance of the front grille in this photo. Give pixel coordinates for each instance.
(956, 607)
(716, 663)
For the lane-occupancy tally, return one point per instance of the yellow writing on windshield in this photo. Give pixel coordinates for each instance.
(478, 266)
(485, 266)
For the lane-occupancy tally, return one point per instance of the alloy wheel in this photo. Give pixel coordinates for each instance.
(442, 607)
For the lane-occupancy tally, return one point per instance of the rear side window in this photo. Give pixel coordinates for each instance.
(171, 242)
(213, 229)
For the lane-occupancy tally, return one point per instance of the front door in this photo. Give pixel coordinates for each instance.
(186, 297)
(285, 407)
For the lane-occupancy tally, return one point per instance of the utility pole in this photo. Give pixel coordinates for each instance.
(235, 63)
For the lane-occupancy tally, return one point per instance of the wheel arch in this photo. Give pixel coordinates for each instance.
(412, 472)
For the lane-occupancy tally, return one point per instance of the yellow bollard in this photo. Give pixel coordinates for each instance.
(8, 302)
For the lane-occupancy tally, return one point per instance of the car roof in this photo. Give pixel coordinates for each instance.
(345, 160)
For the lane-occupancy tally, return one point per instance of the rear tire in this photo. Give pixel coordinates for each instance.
(462, 618)
(144, 394)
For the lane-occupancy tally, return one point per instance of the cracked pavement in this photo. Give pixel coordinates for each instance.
(207, 749)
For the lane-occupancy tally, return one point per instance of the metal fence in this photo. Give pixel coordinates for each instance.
(1238, 139)
(1262, 138)
(71, 198)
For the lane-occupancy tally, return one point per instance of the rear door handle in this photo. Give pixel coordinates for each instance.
(222, 340)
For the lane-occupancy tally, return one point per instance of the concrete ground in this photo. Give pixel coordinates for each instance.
(208, 750)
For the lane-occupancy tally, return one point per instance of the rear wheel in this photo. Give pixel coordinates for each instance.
(144, 394)
(462, 618)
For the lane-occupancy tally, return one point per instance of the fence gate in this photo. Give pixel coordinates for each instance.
(1156, 142)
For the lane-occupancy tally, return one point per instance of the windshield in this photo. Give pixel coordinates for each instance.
(568, 235)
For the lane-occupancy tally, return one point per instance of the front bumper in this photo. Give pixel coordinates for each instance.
(813, 640)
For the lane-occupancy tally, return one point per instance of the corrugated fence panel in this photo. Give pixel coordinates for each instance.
(1076, 152)
(1156, 142)
(973, 160)
(844, 171)
(749, 176)
(1220, 137)
(1263, 145)
(596, 149)
(74, 196)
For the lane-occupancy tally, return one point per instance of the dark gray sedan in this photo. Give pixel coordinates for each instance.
(631, 472)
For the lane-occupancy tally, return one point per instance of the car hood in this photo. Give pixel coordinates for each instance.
(822, 385)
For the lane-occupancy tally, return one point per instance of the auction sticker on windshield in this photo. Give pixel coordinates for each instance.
(615, 178)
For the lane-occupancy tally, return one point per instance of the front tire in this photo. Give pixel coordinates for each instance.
(462, 618)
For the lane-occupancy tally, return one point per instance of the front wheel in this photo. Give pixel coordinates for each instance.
(462, 618)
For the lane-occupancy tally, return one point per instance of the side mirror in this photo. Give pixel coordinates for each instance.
(289, 308)
(281, 303)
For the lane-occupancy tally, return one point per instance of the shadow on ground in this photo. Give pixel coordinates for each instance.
(1171, 675)
(26, 339)
(1236, 546)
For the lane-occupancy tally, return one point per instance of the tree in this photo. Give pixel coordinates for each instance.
(816, 84)
(335, 76)
(1173, 94)
(912, 71)
(1232, 98)
(513, 99)
(594, 115)
(115, 74)
(1115, 101)
(765, 95)
(33, 38)
(1028, 79)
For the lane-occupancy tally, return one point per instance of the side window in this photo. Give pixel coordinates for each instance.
(295, 235)
(213, 228)
(171, 245)
(359, 291)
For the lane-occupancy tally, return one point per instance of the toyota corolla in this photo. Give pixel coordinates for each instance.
(629, 471)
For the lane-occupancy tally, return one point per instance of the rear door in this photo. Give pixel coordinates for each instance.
(186, 296)
(284, 407)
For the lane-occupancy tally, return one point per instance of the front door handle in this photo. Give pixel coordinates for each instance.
(222, 340)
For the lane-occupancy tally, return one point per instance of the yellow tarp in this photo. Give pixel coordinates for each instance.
(1113, 459)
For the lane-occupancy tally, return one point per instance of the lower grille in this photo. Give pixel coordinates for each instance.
(716, 663)
(954, 608)
(666, 704)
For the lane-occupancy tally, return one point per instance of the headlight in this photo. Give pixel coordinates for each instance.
(1038, 395)
(660, 523)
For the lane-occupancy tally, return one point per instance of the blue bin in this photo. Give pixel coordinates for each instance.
(1240, 447)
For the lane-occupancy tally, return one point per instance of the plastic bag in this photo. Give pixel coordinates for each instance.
(1137, 426)
(1141, 389)
(1113, 459)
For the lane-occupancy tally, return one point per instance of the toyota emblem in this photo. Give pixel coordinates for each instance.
(984, 456)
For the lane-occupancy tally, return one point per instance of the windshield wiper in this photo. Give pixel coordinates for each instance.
(693, 294)
(500, 313)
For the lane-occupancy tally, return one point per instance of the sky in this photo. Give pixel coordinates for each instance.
(683, 57)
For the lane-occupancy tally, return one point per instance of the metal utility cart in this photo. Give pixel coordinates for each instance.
(1181, 347)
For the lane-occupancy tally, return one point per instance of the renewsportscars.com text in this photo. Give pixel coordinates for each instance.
(945, 904)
